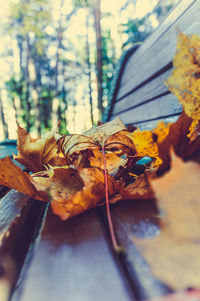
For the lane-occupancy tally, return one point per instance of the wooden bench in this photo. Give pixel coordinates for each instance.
(43, 258)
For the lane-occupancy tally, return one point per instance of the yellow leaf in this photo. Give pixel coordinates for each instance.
(146, 142)
(38, 153)
(73, 191)
(184, 81)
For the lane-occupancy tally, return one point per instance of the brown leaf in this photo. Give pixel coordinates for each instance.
(36, 154)
(102, 133)
(113, 161)
(176, 138)
(73, 191)
(140, 190)
(174, 254)
(13, 177)
(111, 135)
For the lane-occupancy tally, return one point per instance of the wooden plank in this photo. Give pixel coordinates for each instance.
(10, 207)
(164, 106)
(147, 93)
(19, 219)
(153, 56)
(137, 219)
(72, 261)
(152, 123)
(7, 150)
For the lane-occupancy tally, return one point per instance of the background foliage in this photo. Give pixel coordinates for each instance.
(58, 58)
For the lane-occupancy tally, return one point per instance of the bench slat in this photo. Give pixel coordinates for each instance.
(147, 93)
(73, 261)
(19, 219)
(137, 219)
(162, 107)
(129, 88)
(150, 64)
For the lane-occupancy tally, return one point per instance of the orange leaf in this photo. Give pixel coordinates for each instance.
(184, 81)
(146, 142)
(140, 190)
(36, 154)
(13, 177)
(177, 138)
(74, 191)
(112, 135)
(113, 161)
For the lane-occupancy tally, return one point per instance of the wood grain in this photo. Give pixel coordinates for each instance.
(137, 218)
(138, 85)
(147, 93)
(19, 220)
(72, 261)
(163, 106)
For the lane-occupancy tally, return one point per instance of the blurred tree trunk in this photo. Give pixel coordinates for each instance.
(32, 94)
(2, 115)
(27, 81)
(57, 114)
(97, 25)
(37, 84)
(89, 70)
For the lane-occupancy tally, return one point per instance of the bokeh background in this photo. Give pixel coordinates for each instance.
(58, 58)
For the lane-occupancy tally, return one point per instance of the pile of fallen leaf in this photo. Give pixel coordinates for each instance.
(69, 171)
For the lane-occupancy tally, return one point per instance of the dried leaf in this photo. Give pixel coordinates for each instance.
(113, 161)
(184, 81)
(102, 133)
(73, 191)
(174, 254)
(36, 154)
(111, 135)
(146, 142)
(176, 138)
(140, 190)
(13, 177)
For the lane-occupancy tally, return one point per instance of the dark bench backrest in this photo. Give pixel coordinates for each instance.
(140, 96)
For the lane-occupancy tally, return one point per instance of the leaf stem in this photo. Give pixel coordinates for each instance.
(110, 224)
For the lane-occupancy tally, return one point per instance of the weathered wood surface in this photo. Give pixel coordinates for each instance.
(141, 96)
(19, 218)
(73, 261)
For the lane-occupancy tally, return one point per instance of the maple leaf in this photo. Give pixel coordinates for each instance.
(184, 81)
(112, 136)
(113, 161)
(146, 142)
(184, 146)
(37, 154)
(177, 246)
(13, 177)
(176, 138)
(138, 190)
(73, 191)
